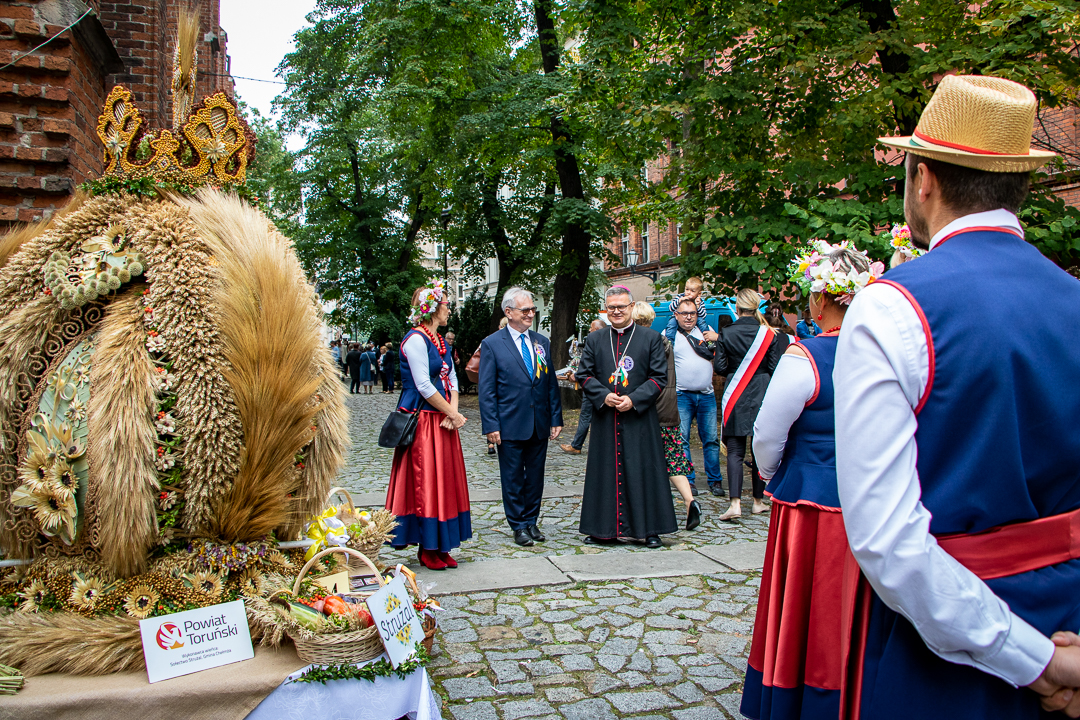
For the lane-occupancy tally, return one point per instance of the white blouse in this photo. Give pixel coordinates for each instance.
(791, 387)
(415, 351)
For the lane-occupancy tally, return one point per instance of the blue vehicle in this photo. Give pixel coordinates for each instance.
(714, 308)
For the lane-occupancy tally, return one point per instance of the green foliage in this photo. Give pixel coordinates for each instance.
(380, 668)
(469, 323)
(766, 114)
(149, 187)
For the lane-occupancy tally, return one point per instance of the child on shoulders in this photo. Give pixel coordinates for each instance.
(692, 291)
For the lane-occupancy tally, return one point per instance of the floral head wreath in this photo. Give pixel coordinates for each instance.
(812, 270)
(901, 240)
(427, 303)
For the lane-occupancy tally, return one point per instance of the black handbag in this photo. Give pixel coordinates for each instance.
(399, 429)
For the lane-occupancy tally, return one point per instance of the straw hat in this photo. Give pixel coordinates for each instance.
(979, 122)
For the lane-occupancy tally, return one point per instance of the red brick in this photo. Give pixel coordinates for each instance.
(55, 127)
(7, 152)
(28, 215)
(60, 94)
(7, 121)
(57, 155)
(5, 28)
(30, 154)
(57, 64)
(9, 214)
(29, 29)
(29, 183)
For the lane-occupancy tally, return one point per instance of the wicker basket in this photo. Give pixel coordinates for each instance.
(337, 648)
(369, 545)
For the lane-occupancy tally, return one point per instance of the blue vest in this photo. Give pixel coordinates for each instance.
(997, 444)
(808, 469)
(410, 396)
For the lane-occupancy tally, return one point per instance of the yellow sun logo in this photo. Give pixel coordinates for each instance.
(404, 635)
(392, 604)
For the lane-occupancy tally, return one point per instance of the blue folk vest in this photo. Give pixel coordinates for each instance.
(410, 396)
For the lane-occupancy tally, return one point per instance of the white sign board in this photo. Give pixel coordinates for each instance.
(194, 640)
(401, 631)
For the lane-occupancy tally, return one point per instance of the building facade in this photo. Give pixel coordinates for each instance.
(60, 58)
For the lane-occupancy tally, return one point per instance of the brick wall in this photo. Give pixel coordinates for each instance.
(50, 101)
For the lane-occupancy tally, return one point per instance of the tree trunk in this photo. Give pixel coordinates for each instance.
(573, 269)
(489, 208)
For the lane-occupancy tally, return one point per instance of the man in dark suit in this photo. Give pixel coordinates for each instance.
(520, 410)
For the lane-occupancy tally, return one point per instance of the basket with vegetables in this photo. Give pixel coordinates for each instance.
(329, 628)
(367, 530)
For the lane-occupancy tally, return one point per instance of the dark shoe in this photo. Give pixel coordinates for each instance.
(693, 489)
(522, 538)
(716, 489)
(590, 540)
(653, 541)
(570, 449)
(693, 515)
(535, 534)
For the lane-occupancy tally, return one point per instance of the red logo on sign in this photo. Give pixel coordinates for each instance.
(169, 637)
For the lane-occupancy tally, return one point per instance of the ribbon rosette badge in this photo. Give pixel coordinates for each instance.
(169, 637)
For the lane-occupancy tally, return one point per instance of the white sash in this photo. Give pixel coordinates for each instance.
(749, 365)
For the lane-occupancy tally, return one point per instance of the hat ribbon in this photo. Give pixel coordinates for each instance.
(955, 146)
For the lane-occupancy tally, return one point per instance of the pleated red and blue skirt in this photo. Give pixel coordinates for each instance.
(428, 491)
(796, 654)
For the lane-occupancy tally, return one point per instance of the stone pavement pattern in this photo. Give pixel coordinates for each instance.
(638, 647)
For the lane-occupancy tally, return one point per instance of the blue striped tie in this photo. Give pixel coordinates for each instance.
(526, 356)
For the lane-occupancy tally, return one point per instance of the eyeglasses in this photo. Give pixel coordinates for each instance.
(617, 309)
(531, 310)
(689, 313)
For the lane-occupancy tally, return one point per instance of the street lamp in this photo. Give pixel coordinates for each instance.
(631, 264)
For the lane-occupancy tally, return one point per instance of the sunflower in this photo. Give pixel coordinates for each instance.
(141, 601)
(205, 582)
(250, 582)
(39, 462)
(85, 592)
(279, 560)
(63, 475)
(55, 511)
(33, 596)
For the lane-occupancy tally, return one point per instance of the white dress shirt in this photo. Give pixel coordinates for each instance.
(516, 337)
(415, 350)
(881, 371)
(791, 387)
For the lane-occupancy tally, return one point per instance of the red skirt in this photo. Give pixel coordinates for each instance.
(796, 652)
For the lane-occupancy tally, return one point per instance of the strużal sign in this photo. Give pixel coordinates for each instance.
(194, 640)
(392, 610)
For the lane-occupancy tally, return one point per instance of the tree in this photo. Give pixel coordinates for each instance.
(766, 114)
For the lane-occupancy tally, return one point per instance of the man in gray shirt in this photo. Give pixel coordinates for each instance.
(694, 390)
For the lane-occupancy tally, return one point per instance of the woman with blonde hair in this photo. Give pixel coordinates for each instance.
(747, 353)
(667, 412)
(428, 490)
(796, 660)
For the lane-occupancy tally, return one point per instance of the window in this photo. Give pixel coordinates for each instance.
(678, 239)
(645, 242)
(645, 173)
(625, 245)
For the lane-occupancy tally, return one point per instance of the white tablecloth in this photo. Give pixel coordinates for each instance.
(387, 698)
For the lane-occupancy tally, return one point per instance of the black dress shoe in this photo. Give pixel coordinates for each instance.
(535, 534)
(693, 515)
(590, 540)
(716, 490)
(522, 538)
(653, 541)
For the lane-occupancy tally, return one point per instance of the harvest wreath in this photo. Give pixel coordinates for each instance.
(168, 412)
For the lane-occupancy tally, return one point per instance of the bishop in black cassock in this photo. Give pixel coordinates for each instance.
(626, 481)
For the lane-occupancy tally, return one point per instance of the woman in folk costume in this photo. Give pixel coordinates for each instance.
(795, 656)
(428, 490)
(679, 466)
(623, 369)
(747, 353)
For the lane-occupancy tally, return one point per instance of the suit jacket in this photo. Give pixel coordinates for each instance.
(511, 401)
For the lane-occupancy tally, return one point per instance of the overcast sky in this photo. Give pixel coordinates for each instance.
(260, 34)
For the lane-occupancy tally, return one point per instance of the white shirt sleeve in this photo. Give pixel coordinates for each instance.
(881, 370)
(792, 385)
(453, 376)
(416, 352)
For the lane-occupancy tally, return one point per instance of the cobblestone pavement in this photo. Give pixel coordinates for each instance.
(673, 648)
(368, 469)
(642, 648)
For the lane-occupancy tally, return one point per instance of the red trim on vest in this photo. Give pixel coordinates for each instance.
(954, 146)
(978, 228)
(929, 341)
(804, 503)
(817, 379)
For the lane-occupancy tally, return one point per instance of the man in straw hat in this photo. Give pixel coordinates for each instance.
(958, 454)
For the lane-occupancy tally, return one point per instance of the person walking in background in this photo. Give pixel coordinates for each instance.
(520, 410)
(667, 412)
(692, 292)
(796, 651)
(623, 370)
(451, 348)
(585, 415)
(353, 360)
(747, 354)
(428, 490)
(367, 369)
(807, 328)
(389, 367)
(694, 390)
